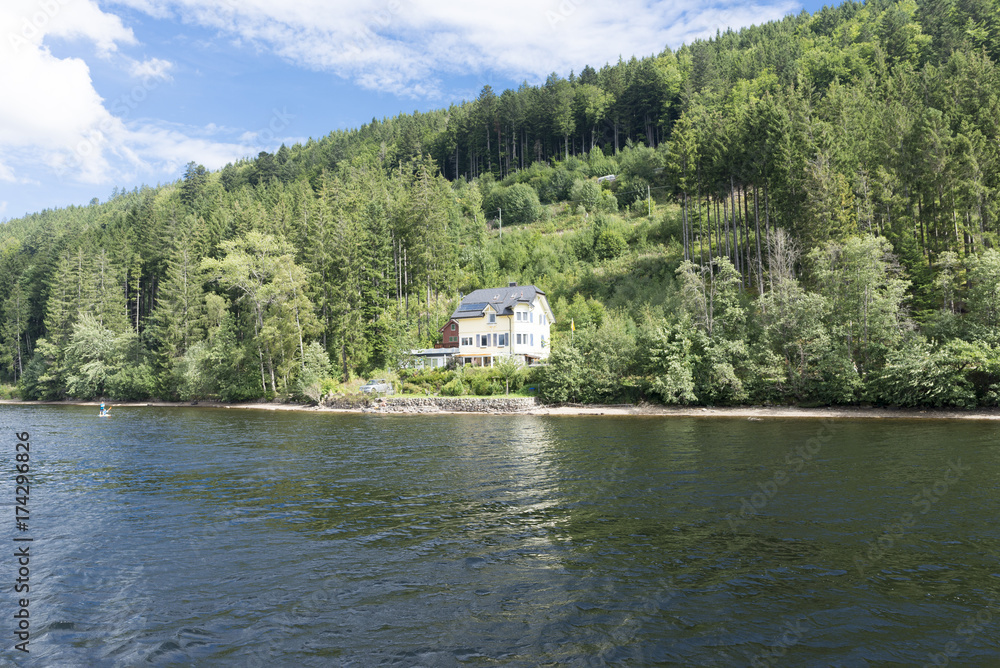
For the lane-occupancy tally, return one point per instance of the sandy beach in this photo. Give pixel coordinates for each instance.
(641, 410)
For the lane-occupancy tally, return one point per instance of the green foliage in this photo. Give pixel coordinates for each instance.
(861, 281)
(314, 370)
(561, 380)
(866, 132)
(518, 202)
(609, 357)
(589, 196)
(984, 296)
(917, 375)
(99, 363)
(669, 361)
(609, 244)
(453, 388)
(426, 381)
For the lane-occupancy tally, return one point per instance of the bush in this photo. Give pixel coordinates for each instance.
(600, 164)
(131, 382)
(327, 386)
(562, 378)
(519, 203)
(630, 190)
(609, 244)
(918, 375)
(315, 367)
(589, 196)
(672, 225)
(481, 384)
(454, 388)
(585, 195)
(426, 380)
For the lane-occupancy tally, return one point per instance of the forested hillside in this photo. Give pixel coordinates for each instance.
(804, 211)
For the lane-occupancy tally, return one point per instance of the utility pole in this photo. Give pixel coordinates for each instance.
(500, 211)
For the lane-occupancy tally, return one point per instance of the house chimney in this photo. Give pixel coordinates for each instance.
(512, 284)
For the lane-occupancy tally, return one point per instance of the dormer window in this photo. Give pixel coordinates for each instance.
(491, 318)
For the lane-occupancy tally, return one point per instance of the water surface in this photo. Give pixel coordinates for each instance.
(197, 536)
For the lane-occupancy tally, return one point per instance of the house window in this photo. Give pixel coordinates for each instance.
(492, 318)
(531, 316)
(454, 327)
(466, 340)
(532, 340)
(541, 319)
(517, 339)
(502, 340)
(494, 340)
(453, 338)
(482, 340)
(543, 340)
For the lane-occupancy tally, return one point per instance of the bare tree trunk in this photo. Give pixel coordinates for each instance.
(756, 224)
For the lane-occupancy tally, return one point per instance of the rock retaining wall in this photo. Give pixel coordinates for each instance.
(437, 404)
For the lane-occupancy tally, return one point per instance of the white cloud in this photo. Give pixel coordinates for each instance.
(153, 68)
(6, 174)
(52, 120)
(407, 46)
(26, 23)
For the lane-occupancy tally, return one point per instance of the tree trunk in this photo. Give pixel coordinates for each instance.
(756, 224)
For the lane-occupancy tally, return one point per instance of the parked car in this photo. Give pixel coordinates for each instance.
(377, 386)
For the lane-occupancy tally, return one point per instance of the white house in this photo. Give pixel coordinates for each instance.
(495, 322)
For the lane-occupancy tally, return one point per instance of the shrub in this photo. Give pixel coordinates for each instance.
(518, 202)
(480, 383)
(453, 388)
(609, 244)
(589, 196)
(562, 378)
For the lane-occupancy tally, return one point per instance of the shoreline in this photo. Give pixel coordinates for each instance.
(641, 410)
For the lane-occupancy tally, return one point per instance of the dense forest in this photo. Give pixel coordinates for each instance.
(804, 211)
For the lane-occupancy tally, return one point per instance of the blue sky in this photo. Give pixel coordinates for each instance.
(98, 94)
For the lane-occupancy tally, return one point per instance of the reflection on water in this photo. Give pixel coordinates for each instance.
(225, 537)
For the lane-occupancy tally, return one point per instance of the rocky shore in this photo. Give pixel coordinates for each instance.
(436, 404)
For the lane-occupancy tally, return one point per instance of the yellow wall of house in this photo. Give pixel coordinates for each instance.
(533, 328)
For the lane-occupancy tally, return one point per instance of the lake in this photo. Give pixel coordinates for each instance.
(200, 536)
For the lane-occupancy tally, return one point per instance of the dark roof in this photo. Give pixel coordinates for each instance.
(501, 299)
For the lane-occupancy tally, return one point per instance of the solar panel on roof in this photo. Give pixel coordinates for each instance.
(479, 306)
